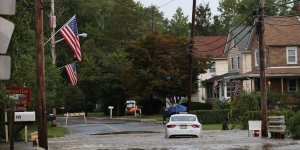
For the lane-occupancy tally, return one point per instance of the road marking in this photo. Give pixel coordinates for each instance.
(106, 125)
(111, 127)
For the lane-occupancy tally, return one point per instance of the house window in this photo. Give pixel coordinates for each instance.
(291, 55)
(213, 68)
(256, 58)
(232, 63)
(292, 85)
(238, 62)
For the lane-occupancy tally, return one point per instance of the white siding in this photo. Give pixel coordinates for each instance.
(221, 68)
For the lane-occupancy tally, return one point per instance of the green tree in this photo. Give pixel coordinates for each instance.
(234, 12)
(159, 67)
(217, 28)
(178, 25)
(203, 20)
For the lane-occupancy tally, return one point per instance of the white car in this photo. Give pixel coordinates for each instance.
(183, 125)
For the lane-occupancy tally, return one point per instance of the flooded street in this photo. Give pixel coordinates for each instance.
(101, 134)
(140, 136)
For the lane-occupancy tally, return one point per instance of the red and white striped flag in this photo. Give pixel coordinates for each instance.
(72, 73)
(70, 33)
(215, 86)
(236, 88)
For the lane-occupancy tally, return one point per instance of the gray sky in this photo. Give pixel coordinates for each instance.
(169, 6)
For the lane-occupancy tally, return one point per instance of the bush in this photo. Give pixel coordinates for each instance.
(199, 106)
(214, 116)
(247, 102)
(274, 100)
(249, 115)
(294, 125)
(222, 104)
(256, 115)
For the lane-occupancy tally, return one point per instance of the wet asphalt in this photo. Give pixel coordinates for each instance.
(105, 134)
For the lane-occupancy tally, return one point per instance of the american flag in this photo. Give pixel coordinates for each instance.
(236, 88)
(70, 33)
(215, 86)
(72, 73)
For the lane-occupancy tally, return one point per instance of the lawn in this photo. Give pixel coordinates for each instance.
(56, 131)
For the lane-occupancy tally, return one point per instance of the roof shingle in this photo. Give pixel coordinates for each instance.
(210, 46)
(282, 31)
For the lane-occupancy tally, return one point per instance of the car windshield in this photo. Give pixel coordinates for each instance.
(183, 118)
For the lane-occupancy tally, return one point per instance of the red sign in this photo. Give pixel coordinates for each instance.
(21, 95)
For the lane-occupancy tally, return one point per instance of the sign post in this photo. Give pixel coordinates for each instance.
(110, 110)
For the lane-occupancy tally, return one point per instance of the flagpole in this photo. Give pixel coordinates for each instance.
(65, 65)
(59, 29)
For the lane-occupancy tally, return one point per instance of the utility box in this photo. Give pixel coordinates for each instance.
(276, 126)
(24, 116)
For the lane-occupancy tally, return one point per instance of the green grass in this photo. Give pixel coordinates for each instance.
(218, 126)
(57, 131)
(96, 114)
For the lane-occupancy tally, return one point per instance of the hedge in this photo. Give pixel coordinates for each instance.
(218, 116)
(255, 115)
(215, 116)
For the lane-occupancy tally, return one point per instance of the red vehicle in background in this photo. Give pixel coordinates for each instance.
(132, 108)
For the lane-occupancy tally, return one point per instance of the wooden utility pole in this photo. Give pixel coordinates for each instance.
(190, 84)
(262, 63)
(40, 70)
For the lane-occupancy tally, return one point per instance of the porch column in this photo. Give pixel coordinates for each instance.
(220, 90)
(225, 90)
(281, 86)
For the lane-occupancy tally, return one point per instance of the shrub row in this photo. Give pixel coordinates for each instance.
(216, 116)
(255, 115)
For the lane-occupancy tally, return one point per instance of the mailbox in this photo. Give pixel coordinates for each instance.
(110, 107)
(24, 116)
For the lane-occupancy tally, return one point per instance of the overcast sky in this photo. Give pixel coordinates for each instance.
(169, 6)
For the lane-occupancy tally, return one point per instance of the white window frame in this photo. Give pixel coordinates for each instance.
(295, 55)
(213, 67)
(256, 61)
(288, 85)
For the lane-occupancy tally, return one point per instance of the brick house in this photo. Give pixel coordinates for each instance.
(281, 42)
(212, 47)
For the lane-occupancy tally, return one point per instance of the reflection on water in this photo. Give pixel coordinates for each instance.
(266, 146)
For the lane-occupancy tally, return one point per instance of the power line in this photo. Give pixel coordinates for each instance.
(236, 42)
(226, 33)
(166, 4)
(227, 41)
(285, 34)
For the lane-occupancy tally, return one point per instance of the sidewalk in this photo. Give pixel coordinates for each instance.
(19, 146)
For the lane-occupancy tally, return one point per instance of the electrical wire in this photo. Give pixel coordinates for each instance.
(226, 34)
(166, 4)
(285, 34)
(236, 42)
(227, 41)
